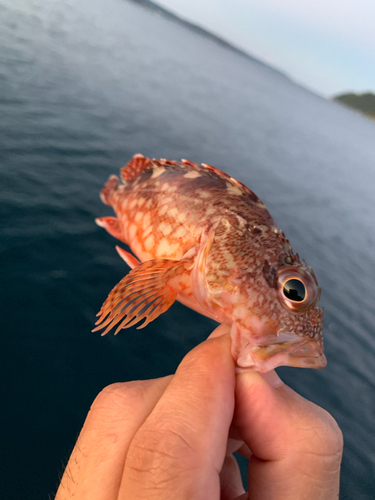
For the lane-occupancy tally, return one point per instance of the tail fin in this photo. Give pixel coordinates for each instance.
(108, 190)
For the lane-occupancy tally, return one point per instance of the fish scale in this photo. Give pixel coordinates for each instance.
(205, 239)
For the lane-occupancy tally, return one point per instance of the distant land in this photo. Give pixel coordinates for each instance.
(364, 103)
(201, 31)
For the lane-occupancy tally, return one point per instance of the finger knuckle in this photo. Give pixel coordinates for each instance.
(331, 434)
(160, 452)
(120, 396)
(323, 436)
(202, 360)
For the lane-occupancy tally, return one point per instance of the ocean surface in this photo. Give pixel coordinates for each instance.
(86, 84)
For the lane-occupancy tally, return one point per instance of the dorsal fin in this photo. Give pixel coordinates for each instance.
(135, 166)
(235, 183)
(139, 164)
(217, 171)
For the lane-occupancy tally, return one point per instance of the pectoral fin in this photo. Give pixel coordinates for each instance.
(145, 293)
(210, 282)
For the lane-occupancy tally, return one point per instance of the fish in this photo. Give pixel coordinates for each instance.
(203, 238)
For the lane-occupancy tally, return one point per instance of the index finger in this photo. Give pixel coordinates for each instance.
(179, 450)
(96, 464)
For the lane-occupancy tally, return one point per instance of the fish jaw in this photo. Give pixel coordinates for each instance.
(266, 358)
(265, 353)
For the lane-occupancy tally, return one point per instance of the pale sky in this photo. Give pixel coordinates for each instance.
(327, 46)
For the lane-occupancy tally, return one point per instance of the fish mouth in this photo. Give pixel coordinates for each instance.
(308, 354)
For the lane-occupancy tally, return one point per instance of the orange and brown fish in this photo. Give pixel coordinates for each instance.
(207, 240)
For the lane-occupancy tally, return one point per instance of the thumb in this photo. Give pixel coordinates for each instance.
(296, 445)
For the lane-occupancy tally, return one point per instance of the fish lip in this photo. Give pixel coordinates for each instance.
(318, 362)
(266, 358)
(284, 359)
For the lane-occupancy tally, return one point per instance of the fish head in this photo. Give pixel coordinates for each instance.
(251, 279)
(278, 322)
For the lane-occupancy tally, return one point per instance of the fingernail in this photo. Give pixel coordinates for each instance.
(272, 379)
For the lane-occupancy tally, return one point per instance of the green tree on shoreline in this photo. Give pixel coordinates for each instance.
(364, 103)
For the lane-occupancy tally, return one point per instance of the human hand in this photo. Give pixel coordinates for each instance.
(168, 438)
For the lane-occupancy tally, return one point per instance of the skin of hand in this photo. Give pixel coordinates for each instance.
(173, 437)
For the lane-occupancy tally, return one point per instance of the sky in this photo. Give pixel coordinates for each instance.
(327, 46)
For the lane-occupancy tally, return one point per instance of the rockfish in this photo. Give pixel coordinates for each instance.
(207, 240)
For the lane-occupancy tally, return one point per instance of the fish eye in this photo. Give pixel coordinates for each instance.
(295, 290)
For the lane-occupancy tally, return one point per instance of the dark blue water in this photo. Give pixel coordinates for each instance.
(85, 85)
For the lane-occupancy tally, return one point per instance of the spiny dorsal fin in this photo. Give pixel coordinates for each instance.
(135, 166)
(227, 178)
(217, 171)
(144, 293)
(139, 164)
(234, 182)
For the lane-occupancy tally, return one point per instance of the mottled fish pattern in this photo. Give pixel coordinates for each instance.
(205, 239)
